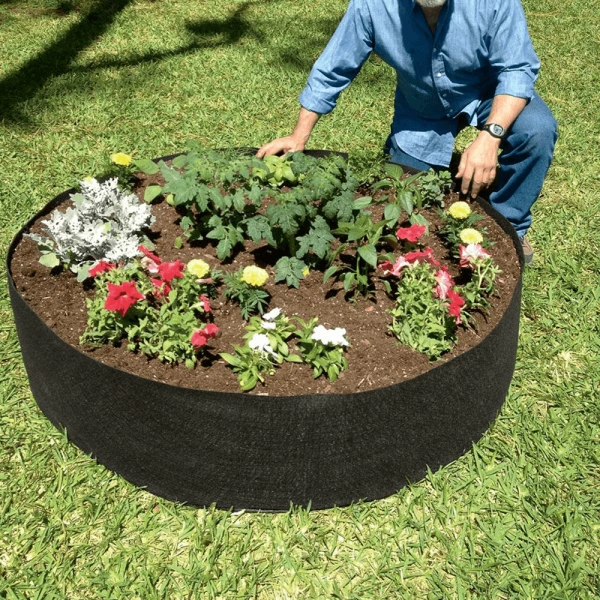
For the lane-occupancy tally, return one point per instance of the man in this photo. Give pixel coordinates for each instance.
(458, 63)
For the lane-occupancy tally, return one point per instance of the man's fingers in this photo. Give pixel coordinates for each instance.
(466, 180)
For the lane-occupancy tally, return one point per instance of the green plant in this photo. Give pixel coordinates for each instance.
(322, 348)
(420, 319)
(245, 288)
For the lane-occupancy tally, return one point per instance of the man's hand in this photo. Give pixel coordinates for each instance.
(478, 164)
(281, 146)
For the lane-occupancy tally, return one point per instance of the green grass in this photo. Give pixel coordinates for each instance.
(517, 517)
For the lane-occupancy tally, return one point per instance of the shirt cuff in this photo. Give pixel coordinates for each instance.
(515, 83)
(315, 102)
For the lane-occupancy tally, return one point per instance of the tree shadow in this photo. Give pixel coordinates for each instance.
(23, 84)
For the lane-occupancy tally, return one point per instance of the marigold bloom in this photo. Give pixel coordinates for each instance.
(411, 234)
(121, 159)
(198, 268)
(470, 236)
(460, 210)
(101, 267)
(254, 276)
(122, 297)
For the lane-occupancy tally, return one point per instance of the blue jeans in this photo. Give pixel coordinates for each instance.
(526, 155)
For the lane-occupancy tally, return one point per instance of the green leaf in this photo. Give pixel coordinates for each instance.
(83, 272)
(289, 269)
(145, 165)
(361, 203)
(152, 192)
(369, 254)
(331, 271)
(349, 279)
(405, 199)
(258, 229)
(224, 248)
(294, 358)
(230, 358)
(394, 170)
(179, 161)
(178, 243)
(391, 214)
(419, 219)
(50, 260)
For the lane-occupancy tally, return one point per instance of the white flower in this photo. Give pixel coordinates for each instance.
(272, 315)
(268, 325)
(329, 337)
(260, 343)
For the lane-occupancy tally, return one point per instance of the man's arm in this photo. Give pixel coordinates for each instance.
(478, 163)
(338, 65)
(297, 140)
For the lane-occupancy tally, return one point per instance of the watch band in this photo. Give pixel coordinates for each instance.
(494, 130)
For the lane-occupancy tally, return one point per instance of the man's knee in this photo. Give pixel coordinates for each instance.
(536, 128)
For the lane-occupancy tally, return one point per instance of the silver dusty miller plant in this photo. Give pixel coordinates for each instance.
(105, 223)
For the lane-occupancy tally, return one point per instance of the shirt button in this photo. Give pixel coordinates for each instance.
(439, 74)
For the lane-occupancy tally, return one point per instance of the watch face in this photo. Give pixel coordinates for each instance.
(497, 129)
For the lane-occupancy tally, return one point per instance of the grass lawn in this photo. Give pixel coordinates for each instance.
(517, 517)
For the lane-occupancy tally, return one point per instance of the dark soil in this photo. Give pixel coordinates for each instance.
(375, 358)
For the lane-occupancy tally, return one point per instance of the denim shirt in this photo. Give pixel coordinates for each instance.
(481, 48)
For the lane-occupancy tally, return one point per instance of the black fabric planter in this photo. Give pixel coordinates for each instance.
(258, 452)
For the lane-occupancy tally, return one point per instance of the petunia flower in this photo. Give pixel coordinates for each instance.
(394, 269)
(162, 287)
(101, 267)
(422, 256)
(329, 337)
(200, 337)
(444, 283)
(122, 297)
(272, 314)
(456, 305)
(259, 342)
(171, 270)
(150, 262)
(411, 234)
(205, 303)
(470, 254)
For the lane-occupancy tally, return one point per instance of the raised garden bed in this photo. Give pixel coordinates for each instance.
(190, 435)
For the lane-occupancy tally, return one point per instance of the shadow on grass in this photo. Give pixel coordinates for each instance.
(23, 84)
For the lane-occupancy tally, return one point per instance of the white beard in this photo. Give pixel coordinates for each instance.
(430, 3)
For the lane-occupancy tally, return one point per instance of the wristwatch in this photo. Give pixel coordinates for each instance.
(494, 130)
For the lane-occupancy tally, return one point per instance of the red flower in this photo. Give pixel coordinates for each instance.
(171, 270)
(444, 283)
(122, 297)
(200, 337)
(411, 234)
(456, 304)
(422, 256)
(205, 303)
(101, 267)
(149, 254)
(162, 288)
(471, 253)
(394, 269)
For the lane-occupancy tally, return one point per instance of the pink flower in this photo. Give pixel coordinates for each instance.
(149, 254)
(394, 269)
(444, 283)
(422, 256)
(122, 297)
(200, 337)
(411, 234)
(470, 254)
(171, 270)
(456, 304)
(205, 303)
(101, 267)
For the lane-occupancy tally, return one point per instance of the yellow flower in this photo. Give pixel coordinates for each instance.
(470, 236)
(305, 271)
(122, 159)
(460, 210)
(254, 276)
(88, 179)
(198, 268)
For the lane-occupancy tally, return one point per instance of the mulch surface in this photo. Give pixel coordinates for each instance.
(375, 358)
